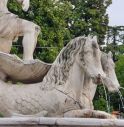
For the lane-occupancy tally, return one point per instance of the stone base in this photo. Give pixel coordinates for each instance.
(60, 122)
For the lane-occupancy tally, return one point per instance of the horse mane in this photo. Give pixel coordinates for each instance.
(59, 72)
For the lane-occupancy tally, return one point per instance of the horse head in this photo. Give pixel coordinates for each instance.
(90, 59)
(108, 65)
(25, 4)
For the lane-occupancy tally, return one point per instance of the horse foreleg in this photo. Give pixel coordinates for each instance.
(88, 113)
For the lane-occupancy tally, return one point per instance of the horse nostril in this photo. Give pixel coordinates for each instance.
(98, 79)
(99, 75)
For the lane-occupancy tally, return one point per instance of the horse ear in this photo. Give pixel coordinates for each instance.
(89, 37)
(95, 38)
(110, 54)
(25, 5)
(94, 42)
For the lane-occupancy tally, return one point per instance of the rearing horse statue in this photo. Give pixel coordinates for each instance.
(12, 27)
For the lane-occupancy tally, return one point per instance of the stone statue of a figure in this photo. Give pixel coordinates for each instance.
(12, 27)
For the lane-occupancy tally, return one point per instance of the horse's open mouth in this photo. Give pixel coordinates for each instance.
(96, 80)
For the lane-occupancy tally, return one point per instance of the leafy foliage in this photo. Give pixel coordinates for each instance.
(120, 69)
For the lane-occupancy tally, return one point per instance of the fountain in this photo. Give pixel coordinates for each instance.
(121, 98)
(58, 94)
(106, 98)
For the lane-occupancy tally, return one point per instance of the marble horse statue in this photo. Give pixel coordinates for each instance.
(12, 27)
(59, 94)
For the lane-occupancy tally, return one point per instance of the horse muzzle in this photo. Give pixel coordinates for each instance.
(98, 78)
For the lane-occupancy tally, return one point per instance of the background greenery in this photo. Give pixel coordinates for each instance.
(63, 20)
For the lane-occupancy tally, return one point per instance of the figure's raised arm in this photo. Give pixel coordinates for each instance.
(25, 4)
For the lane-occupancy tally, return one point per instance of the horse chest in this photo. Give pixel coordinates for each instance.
(67, 102)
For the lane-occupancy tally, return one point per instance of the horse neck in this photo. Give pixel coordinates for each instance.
(54, 76)
(75, 81)
(59, 72)
(89, 88)
(3, 6)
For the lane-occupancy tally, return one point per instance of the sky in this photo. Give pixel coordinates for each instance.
(116, 13)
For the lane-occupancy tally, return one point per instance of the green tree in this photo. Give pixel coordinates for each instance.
(115, 35)
(89, 17)
(120, 69)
